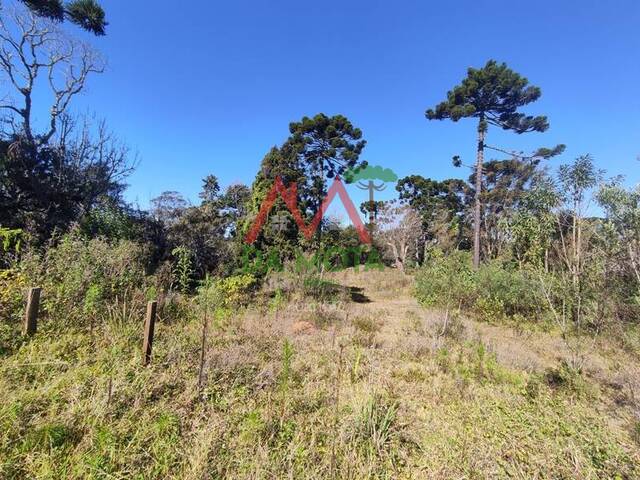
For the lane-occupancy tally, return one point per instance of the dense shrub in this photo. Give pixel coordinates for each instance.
(447, 280)
(13, 284)
(236, 290)
(496, 290)
(222, 297)
(12, 280)
(80, 278)
(507, 291)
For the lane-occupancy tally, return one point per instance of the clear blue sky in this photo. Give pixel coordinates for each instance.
(205, 87)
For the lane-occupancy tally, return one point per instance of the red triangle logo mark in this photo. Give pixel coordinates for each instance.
(290, 197)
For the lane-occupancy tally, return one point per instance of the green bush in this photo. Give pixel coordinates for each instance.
(495, 291)
(237, 289)
(505, 291)
(222, 296)
(81, 278)
(13, 286)
(10, 244)
(183, 271)
(447, 281)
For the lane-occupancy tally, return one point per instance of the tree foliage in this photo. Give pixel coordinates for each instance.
(492, 94)
(88, 14)
(43, 189)
(441, 206)
(209, 231)
(52, 178)
(324, 146)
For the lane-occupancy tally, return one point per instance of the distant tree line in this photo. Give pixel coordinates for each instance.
(69, 173)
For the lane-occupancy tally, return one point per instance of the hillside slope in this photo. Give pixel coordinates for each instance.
(364, 383)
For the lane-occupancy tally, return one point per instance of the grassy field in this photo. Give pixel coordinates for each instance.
(363, 383)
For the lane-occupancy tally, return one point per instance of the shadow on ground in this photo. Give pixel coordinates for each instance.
(358, 296)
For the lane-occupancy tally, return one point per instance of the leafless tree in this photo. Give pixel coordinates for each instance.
(32, 49)
(168, 207)
(400, 227)
(93, 149)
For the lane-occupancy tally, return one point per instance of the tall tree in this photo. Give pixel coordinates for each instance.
(317, 147)
(52, 176)
(168, 207)
(492, 94)
(324, 146)
(210, 189)
(33, 49)
(441, 207)
(234, 205)
(576, 180)
(283, 238)
(399, 228)
(506, 183)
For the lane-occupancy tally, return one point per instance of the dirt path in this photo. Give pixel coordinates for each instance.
(387, 296)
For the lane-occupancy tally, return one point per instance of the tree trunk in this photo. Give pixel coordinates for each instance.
(634, 263)
(477, 208)
(320, 199)
(546, 260)
(396, 256)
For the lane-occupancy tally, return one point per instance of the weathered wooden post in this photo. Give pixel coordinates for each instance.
(31, 313)
(149, 325)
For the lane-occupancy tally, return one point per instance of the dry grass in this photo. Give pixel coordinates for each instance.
(371, 388)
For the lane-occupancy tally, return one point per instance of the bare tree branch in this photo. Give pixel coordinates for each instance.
(30, 45)
(399, 228)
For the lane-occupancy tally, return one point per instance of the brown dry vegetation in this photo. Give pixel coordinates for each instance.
(362, 383)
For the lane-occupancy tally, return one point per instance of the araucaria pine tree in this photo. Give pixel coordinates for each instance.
(492, 94)
(88, 14)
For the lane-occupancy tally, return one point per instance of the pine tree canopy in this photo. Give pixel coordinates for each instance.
(331, 143)
(88, 14)
(493, 94)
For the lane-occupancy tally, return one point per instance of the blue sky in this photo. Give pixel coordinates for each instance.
(205, 87)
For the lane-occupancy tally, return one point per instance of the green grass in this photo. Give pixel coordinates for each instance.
(77, 405)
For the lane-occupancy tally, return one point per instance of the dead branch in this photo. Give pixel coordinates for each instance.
(31, 47)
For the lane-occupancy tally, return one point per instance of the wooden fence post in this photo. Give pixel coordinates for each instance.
(31, 313)
(149, 325)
